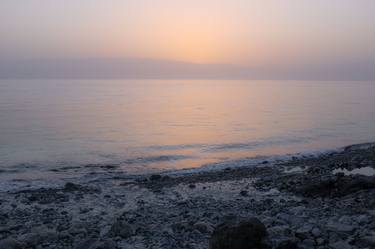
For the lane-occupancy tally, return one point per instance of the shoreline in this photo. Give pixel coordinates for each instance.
(303, 201)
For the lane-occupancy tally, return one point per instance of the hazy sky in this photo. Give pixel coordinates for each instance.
(248, 32)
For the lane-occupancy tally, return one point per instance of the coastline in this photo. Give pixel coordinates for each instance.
(307, 201)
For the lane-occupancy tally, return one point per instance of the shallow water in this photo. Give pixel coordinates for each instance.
(143, 126)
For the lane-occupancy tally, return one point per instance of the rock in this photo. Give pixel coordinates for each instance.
(85, 244)
(366, 241)
(309, 243)
(283, 230)
(203, 227)
(155, 177)
(287, 244)
(244, 193)
(37, 237)
(363, 219)
(70, 187)
(345, 220)
(336, 186)
(304, 232)
(340, 245)
(103, 244)
(320, 241)
(96, 244)
(192, 186)
(338, 227)
(243, 235)
(122, 229)
(10, 243)
(316, 232)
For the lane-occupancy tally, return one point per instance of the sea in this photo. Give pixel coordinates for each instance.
(60, 127)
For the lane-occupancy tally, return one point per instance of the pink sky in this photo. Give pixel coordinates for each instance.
(250, 32)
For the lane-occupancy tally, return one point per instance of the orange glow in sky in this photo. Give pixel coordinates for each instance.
(210, 31)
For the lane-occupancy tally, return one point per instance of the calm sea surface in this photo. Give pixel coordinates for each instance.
(144, 126)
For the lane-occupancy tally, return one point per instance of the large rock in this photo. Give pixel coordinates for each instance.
(243, 235)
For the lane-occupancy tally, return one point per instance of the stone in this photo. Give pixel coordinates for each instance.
(366, 241)
(316, 232)
(309, 243)
(155, 177)
(122, 229)
(363, 219)
(192, 186)
(335, 226)
(340, 245)
(103, 244)
(70, 187)
(336, 186)
(10, 243)
(247, 234)
(287, 244)
(283, 230)
(203, 227)
(345, 220)
(304, 232)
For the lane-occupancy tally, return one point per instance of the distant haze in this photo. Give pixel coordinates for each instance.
(257, 39)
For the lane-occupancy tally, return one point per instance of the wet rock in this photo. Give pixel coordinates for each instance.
(243, 235)
(10, 243)
(71, 187)
(122, 229)
(155, 177)
(192, 186)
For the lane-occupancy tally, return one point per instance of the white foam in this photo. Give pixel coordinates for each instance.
(365, 171)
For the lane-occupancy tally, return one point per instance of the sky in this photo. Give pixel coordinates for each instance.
(237, 32)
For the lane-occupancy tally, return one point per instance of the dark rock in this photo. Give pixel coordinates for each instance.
(366, 241)
(47, 197)
(243, 235)
(10, 243)
(203, 227)
(192, 186)
(287, 244)
(70, 187)
(122, 229)
(155, 177)
(244, 193)
(336, 186)
(103, 244)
